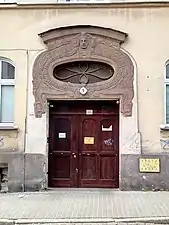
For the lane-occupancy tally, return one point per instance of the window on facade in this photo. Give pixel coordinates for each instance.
(51, 1)
(167, 93)
(83, 72)
(7, 82)
(7, 1)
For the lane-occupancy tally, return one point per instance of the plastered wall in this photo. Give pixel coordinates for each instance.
(147, 44)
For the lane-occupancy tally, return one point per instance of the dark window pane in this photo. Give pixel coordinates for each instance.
(8, 71)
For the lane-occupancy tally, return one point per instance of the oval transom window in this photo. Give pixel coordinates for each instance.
(83, 72)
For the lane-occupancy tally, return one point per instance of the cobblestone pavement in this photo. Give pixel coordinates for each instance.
(84, 204)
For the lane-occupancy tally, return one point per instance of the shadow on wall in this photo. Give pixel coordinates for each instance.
(3, 177)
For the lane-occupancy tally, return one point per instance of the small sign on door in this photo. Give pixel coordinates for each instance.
(89, 111)
(62, 135)
(110, 128)
(89, 140)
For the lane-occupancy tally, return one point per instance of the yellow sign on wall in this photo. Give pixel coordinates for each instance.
(89, 140)
(149, 165)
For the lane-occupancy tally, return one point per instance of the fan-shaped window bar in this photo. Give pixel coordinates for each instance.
(83, 72)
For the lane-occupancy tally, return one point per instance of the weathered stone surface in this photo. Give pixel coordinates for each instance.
(15, 165)
(35, 172)
(26, 172)
(132, 179)
(85, 43)
(29, 172)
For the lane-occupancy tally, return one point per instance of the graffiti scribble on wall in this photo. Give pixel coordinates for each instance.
(165, 143)
(1, 142)
(108, 142)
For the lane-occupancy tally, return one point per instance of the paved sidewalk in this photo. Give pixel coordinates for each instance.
(84, 205)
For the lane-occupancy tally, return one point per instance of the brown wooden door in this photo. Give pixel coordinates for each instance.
(62, 152)
(98, 151)
(83, 149)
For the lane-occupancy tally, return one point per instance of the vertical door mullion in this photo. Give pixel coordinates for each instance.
(99, 145)
(73, 152)
(80, 150)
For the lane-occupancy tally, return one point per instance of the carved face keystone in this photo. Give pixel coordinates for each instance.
(84, 42)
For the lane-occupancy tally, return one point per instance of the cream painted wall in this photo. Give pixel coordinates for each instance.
(36, 141)
(147, 43)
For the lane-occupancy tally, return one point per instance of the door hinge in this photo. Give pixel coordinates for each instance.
(48, 139)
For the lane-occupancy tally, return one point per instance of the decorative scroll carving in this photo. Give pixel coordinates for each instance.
(83, 43)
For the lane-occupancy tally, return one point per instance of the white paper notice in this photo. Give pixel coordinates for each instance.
(89, 111)
(107, 128)
(62, 135)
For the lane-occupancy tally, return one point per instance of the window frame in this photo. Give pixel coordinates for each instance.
(18, 2)
(8, 1)
(6, 82)
(165, 103)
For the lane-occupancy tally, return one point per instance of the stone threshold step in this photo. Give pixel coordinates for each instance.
(89, 221)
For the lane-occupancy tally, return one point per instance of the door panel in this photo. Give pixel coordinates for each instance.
(89, 134)
(88, 146)
(89, 165)
(60, 171)
(109, 154)
(106, 169)
(62, 134)
(107, 135)
(62, 154)
(99, 159)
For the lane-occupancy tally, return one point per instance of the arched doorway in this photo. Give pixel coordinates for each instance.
(85, 67)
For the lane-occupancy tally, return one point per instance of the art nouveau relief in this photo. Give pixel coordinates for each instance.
(83, 44)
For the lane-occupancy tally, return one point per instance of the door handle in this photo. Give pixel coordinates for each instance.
(86, 154)
(74, 155)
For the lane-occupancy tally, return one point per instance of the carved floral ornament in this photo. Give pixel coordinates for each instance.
(83, 44)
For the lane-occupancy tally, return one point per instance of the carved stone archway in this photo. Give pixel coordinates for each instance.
(83, 43)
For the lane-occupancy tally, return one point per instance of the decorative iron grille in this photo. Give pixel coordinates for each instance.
(83, 72)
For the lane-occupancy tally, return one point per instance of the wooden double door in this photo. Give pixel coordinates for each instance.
(83, 144)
